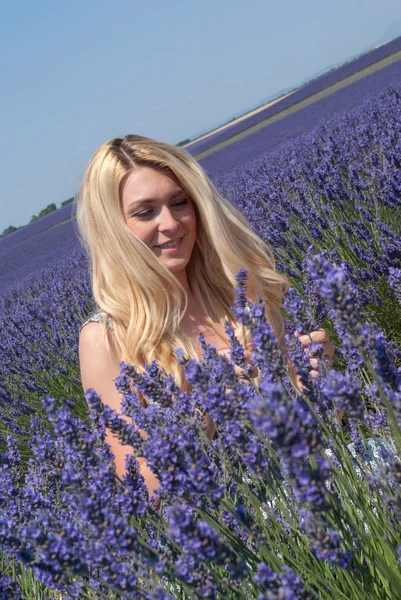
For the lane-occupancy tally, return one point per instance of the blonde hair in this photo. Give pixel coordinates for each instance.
(136, 289)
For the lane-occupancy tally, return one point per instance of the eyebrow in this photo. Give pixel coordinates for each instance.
(150, 200)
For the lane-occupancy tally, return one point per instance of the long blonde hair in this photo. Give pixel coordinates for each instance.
(135, 289)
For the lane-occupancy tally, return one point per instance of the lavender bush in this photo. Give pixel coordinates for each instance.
(36, 252)
(288, 501)
(39, 325)
(278, 506)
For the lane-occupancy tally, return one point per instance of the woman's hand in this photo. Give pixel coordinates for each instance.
(322, 337)
(318, 336)
(248, 353)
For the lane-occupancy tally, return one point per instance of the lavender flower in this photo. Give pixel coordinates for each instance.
(341, 391)
(334, 286)
(394, 280)
(300, 316)
(285, 585)
(9, 588)
(240, 298)
(237, 353)
(326, 543)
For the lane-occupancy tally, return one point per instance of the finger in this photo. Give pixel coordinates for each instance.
(241, 372)
(319, 335)
(255, 372)
(328, 349)
(298, 379)
(328, 360)
(314, 363)
(248, 356)
(238, 371)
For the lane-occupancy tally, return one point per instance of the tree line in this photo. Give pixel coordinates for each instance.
(45, 211)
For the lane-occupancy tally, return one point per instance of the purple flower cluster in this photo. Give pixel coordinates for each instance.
(9, 588)
(285, 585)
(39, 322)
(71, 520)
(77, 526)
(326, 543)
(199, 540)
(394, 279)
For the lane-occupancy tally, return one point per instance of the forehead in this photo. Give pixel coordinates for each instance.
(148, 183)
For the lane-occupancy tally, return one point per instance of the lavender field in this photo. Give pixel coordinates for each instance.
(54, 218)
(33, 247)
(315, 86)
(289, 501)
(300, 122)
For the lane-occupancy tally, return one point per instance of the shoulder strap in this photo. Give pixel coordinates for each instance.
(98, 317)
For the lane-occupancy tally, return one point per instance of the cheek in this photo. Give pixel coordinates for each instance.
(190, 226)
(191, 223)
(143, 231)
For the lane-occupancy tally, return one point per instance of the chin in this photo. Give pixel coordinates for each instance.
(177, 267)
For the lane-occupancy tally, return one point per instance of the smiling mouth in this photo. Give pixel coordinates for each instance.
(167, 245)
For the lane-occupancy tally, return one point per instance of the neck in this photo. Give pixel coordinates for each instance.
(181, 276)
(193, 303)
(183, 279)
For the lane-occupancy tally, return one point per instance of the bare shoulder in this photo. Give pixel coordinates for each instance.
(92, 346)
(91, 338)
(98, 369)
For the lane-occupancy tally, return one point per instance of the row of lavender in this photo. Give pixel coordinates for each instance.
(279, 505)
(302, 121)
(54, 218)
(315, 86)
(37, 252)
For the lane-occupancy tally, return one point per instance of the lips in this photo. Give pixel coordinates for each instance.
(170, 242)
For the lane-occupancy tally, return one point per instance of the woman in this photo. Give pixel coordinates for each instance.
(164, 249)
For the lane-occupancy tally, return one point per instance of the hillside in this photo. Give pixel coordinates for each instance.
(329, 82)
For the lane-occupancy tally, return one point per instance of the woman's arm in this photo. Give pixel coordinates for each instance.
(98, 372)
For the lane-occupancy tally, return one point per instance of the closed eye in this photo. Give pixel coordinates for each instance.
(147, 213)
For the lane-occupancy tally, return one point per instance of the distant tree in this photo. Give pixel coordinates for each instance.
(183, 142)
(8, 230)
(45, 211)
(67, 201)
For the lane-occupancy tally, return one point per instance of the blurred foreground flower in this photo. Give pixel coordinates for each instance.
(277, 506)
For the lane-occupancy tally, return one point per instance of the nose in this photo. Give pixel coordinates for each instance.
(167, 221)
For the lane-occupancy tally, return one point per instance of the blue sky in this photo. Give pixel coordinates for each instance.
(76, 74)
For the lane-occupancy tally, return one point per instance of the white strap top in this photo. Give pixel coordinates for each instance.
(98, 316)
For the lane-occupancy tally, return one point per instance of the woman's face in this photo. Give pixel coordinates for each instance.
(158, 211)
